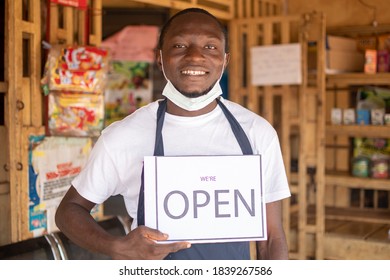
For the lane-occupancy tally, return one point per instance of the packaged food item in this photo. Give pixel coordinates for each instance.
(380, 167)
(77, 68)
(337, 115)
(387, 119)
(377, 116)
(363, 116)
(370, 65)
(361, 166)
(349, 116)
(75, 114)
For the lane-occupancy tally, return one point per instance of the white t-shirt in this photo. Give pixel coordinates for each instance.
(115, 164)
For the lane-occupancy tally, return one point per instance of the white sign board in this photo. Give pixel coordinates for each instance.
(276, 65)
(204, 199)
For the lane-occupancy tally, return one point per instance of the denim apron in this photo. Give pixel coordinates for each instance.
(207, 251)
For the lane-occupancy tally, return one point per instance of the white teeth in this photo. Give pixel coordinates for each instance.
(193, 73)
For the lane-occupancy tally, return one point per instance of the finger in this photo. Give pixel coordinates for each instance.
(153, 234)
(176, 246)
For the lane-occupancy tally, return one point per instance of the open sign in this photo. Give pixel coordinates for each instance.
(205, 198)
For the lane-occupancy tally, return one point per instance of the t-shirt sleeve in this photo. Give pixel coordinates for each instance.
(274, 173)
(99, 179)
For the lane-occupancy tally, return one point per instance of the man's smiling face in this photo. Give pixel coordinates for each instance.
(193, 53)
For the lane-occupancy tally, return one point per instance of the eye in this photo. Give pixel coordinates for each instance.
(179, 46)
(210, 47)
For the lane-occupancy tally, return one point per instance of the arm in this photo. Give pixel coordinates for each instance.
(74, 220)
(275, 247)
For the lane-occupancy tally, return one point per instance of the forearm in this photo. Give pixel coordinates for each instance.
(273, 249)
(79, 226)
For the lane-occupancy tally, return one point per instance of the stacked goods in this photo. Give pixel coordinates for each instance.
(75, 80)
(377, 53)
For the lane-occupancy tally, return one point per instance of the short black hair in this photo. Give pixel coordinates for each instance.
(166, 26)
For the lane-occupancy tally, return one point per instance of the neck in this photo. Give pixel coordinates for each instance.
(173, 109)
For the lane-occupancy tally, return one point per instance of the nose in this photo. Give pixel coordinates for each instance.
(195, 53)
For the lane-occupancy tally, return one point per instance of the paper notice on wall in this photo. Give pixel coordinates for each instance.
(53, 163)
(276, 65)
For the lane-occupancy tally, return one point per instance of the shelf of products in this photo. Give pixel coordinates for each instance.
(357, 179)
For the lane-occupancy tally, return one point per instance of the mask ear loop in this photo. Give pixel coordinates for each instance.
(162, 66)
(223, 66)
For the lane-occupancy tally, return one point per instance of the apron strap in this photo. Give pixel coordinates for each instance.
(158, 151)
(241, 137)
(159, 144)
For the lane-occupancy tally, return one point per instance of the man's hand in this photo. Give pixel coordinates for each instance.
(140, 244)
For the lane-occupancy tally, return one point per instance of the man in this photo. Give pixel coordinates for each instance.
(192, 120)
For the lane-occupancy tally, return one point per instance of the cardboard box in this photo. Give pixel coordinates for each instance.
(341, 43)
(370, 61)
(344, 61)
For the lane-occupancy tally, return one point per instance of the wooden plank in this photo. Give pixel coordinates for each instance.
(53, 25)
(3, 154)
(381, 234)
(26, 100)
(5, 215)
(4, 188)
(346, 180)
(268, 97)
(3, 86)
(380, 131)
(340, 248)
(13, 117)
(221, 9)
(95, 37)
(69, 24)
(346, 79)
(82, 32)
(358, 215)
(35, 61)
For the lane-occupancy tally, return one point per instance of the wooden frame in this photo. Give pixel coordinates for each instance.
(223, 9)
(24, 102)
(296, 122)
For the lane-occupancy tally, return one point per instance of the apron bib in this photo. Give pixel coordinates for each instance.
(207, 251)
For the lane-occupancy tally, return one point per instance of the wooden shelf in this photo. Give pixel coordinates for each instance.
(346, 79)
(346, 180)
(359, 215)
(380, 131)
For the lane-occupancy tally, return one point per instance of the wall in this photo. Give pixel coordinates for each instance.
(343, 12)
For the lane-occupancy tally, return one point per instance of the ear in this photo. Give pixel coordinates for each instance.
(227, 59)
(158, 59)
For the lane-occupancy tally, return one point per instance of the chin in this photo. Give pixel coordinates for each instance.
(193, 94)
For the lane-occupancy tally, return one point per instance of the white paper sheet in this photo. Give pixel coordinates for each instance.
(276, 65)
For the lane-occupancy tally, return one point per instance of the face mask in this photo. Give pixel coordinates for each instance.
(187, 103)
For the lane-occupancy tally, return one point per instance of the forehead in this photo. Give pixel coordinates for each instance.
(195, 24)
